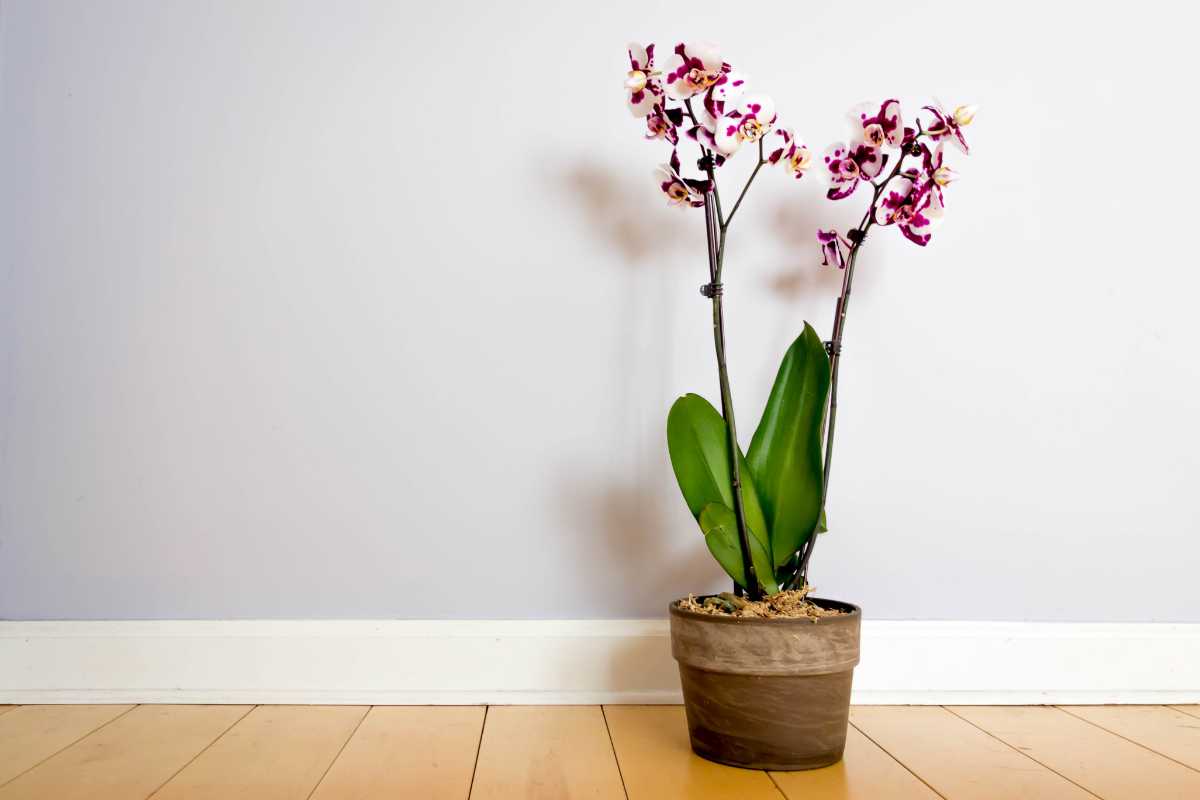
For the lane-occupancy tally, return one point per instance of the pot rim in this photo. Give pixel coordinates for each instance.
(853, 612)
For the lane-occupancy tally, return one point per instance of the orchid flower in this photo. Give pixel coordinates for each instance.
(693, 68)
(663, 123)
(680, 191)
(750, 120)
(832, 254)
(937, 177)
(906, 204)
(643, 83)
(886, 126)
(949, 126)
(791, 152)
(850, 164)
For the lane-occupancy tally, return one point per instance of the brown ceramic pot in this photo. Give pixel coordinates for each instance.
(767, 693)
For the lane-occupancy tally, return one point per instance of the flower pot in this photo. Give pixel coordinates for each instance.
(767, 693)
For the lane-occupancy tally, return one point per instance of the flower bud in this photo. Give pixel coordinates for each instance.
(963, 115)
(636, 81)
(944, 176)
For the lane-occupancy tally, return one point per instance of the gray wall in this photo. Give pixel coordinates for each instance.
(361, 310)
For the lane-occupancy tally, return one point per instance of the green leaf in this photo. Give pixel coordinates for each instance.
(696, 439)
(720, 534)
(785, 453)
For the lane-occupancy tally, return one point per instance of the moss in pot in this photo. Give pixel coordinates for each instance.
(766, 671)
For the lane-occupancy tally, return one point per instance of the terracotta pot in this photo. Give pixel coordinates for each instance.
(767, 693)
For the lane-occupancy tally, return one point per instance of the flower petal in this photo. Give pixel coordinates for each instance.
(639, 59)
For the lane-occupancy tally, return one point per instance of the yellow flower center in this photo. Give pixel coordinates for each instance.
(636, 80)
(873, 134)
(800, 158)
(751, 130)
(699, 79)
(943, 176)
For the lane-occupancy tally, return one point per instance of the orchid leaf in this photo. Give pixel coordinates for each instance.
(785, 453)
(720, 534)
(696, 438)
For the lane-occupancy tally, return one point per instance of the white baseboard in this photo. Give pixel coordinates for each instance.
(561, 662)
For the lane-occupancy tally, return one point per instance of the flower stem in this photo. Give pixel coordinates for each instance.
(715, 227)
(800, 576)
(716, 253)
(746, 188)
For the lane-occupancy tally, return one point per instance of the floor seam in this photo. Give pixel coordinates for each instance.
(1147, 748)
(1016, 749)
(203, 750)
(338, 754)
(68, 746)
(478, 750)
(890, 755)
(612, 744)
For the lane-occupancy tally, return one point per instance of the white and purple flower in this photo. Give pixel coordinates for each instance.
(906, 203)
(832, 254)
(884, 127)
(680, 191)
(792, 153)
(848, 164)
(949, 125)
(643, 83)
(692, 69)
(750, 120)
(663, 123)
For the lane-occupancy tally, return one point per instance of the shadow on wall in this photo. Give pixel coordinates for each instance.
(622, 521)
(604, 202)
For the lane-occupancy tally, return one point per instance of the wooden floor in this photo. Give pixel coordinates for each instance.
(635, 752)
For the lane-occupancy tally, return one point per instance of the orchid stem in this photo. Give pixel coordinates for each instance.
(835, 359)
(715, 227)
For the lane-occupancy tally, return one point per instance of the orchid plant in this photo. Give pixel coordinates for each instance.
(760, 512)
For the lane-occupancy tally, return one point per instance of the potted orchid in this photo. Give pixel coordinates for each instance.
(766, 669)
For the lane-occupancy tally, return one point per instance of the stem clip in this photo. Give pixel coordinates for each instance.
(712, 290)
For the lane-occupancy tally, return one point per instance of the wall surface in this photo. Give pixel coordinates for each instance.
(325, 310)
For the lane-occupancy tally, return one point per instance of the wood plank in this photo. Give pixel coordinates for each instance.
(866, 772)
(4, 708)
(129, 757)
(1102, 763)
(657, 762)
(1193, 711)
(1172, 733)
(274, 752)
(957, 759)
(546, 753)
(31, 734)
(407, 751)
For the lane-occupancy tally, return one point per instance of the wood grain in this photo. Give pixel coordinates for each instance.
(1102, 763)
(657, 762)
(957, 759)
(31, 734)
(127, 758)
(416, 751)
(1164, 730)
(275, 752)
(546, 753)
(1191, 711)
(866, 772)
